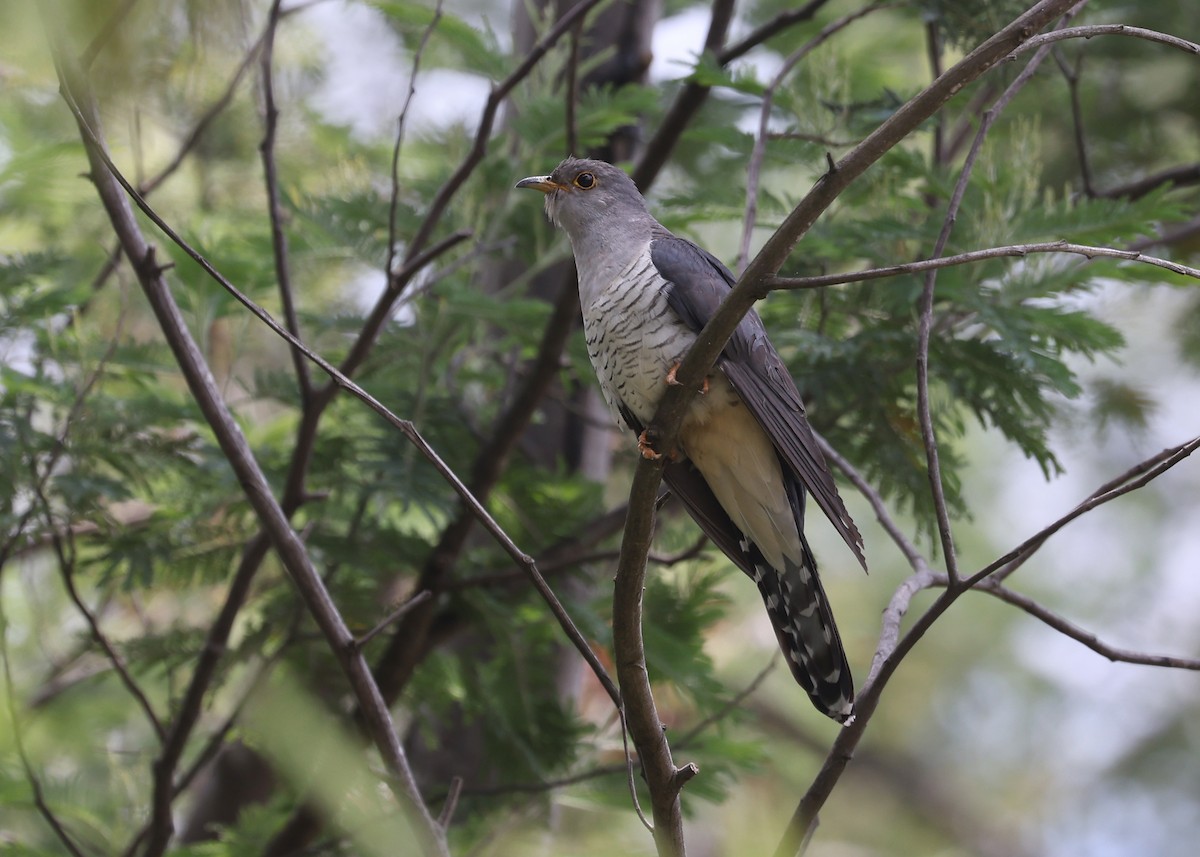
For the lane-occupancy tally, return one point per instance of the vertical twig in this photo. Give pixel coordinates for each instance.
(571, 89)
(754, 167)
(1071, 75)
(933, 51)
(279, 242)
(925, 309)
(394, 200)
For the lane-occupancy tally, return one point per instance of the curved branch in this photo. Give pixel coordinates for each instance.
(1018, 250)
(1093, 30)
(1087, 638)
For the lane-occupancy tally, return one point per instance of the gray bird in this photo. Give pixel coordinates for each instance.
(748, 453)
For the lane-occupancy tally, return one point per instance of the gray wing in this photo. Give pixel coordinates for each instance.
(698, 284)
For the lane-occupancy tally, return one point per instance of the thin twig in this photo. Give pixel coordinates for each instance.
(704, 352)
(1010, 250)
(893, 647)
(571, 90)
(925, 312)
(758, 152)
(1087, 638)
(1072, 76)
(688, 102)
(933, 52)
(1131, 480)
(915, 559)
(451, 803)
(18, 740)
(394, 200)
(418, 598)
(1185, 174)
(110, 652)
(1093, 30)
(279, 242)
(340, 380)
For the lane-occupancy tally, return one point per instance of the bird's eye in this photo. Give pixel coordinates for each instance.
(585, 180)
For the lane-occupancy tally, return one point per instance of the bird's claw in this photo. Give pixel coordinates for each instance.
(645, 443)
(675, 382)
(646, 447)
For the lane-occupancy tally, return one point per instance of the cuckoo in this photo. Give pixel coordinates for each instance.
(747, 455)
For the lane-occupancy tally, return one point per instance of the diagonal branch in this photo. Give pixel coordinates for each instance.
(893, 647)
(286, 543)
(1087, 638)
(18, 740)
(382, 310)
(488, 463)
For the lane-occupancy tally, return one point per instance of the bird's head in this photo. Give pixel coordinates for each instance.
(585, 197)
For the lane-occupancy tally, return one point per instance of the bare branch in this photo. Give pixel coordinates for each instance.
(915, 559)
(1068, 629)
(1010, 250)
(18, 737)
(1072, 76)
(751, 285)
(1131, 480)
(1185, 174)
(279, 243)
(925, 311)
(758, 152)
(770, 29)
(419, 598)
(640, 712)
(893, 647)
(1093, 30)
(233, 444)
(571, 90)
(687, 103)
(114, 658)
(394, 202)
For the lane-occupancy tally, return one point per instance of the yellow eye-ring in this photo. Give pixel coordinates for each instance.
(585, 180)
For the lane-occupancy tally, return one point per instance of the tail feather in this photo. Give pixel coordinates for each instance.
(803, 623)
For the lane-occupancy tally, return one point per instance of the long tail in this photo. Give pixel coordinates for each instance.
(803, 623)
(796, 603)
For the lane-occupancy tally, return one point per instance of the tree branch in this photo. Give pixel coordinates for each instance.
(925, 312)
(233, 444)
(1010, 250)
(279, 243)
(893, 647)
(758, 152)
(641, 714)
(1087, 638)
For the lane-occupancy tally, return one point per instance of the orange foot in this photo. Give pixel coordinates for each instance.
(674, 382)
(645, 443)
(646, 447)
